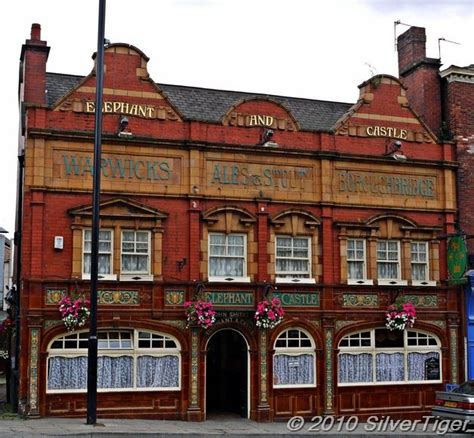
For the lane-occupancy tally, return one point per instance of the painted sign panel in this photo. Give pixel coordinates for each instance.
(298, 299)
(118, 171)
(230, 298)
(260, 176)
(457, 257)
(385, 184)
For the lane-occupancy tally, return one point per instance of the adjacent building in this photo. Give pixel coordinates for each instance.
(444, 99)
(335, 208)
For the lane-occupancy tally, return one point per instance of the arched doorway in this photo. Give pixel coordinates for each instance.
(227, 374)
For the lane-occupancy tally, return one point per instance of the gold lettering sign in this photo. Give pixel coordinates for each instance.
(259, 120)
(266, 120)
(386, 131)
(138, 110)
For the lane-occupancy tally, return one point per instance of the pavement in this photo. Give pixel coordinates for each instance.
(228, 426)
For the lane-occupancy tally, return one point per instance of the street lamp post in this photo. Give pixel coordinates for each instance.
(92, 345)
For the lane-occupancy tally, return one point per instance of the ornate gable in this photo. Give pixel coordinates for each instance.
(128, 89)
(383, 111)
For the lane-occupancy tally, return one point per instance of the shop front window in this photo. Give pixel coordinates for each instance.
(127, 360)
(294, 361)
(381, 356)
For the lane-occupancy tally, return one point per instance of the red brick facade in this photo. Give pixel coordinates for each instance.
(191, 169)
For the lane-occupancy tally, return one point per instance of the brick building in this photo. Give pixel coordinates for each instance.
(335, 208)
(444, 99)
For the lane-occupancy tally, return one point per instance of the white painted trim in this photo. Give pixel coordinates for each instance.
(230, 279)
(366, 282)
(425, 283)
(295, 280)
(391, 282)
(136, 277)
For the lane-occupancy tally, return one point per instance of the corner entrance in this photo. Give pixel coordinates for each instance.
(227, 374)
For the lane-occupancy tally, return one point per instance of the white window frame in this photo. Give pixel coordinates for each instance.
(390, 281)
(278, 276)
(135, 275)
(295, 351)
(426, 281)
(110, 275)
(135, 352)
(364, 279)
(373, 351)
(228, 278)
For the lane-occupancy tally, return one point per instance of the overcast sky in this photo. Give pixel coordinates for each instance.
(319, 49)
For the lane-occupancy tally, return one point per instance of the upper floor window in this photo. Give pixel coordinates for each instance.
(105, 260)
(391, 250)
(227, 256)
(356, 261)
(419, 261)
(380, 356)
(129, 249)
(388, 260)
(293, 258)
(133, 360)
(294, 361)
(135, 252)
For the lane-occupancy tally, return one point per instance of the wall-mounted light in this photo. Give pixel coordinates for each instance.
(266, 138)
(123, 127)
(393, 149)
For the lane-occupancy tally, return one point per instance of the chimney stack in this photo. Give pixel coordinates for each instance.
(421, 76)
(34, 54)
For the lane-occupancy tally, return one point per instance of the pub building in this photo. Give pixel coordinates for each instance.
(334, 208)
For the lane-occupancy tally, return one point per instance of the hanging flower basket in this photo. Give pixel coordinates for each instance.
(269, 313)
(74, 313)
(199, 313)
(400, 315)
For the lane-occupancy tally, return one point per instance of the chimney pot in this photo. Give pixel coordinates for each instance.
(36, 32)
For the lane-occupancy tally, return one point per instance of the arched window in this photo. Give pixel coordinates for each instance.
(135, 360)
(381, 356)
(294, 361)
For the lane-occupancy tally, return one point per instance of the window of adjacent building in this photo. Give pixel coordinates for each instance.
(356, 259)
(293, 257)
(388, 259)
(294, 360)
(380, 356)
(127, 360)
(419, 261)
(227, 256)
(105, 264)
(135, 252)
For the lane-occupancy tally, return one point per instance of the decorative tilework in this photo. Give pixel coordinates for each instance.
(33, 373)
(328, 340)
(356, 300)
(120, 297)
(422, 300)
(106, 297)
(174, 297)
(453, 348)
(341, 324)
(194, 390)
(440, 324)
(53, 296)
(175, 322)
(47, 324)
(263, 366)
